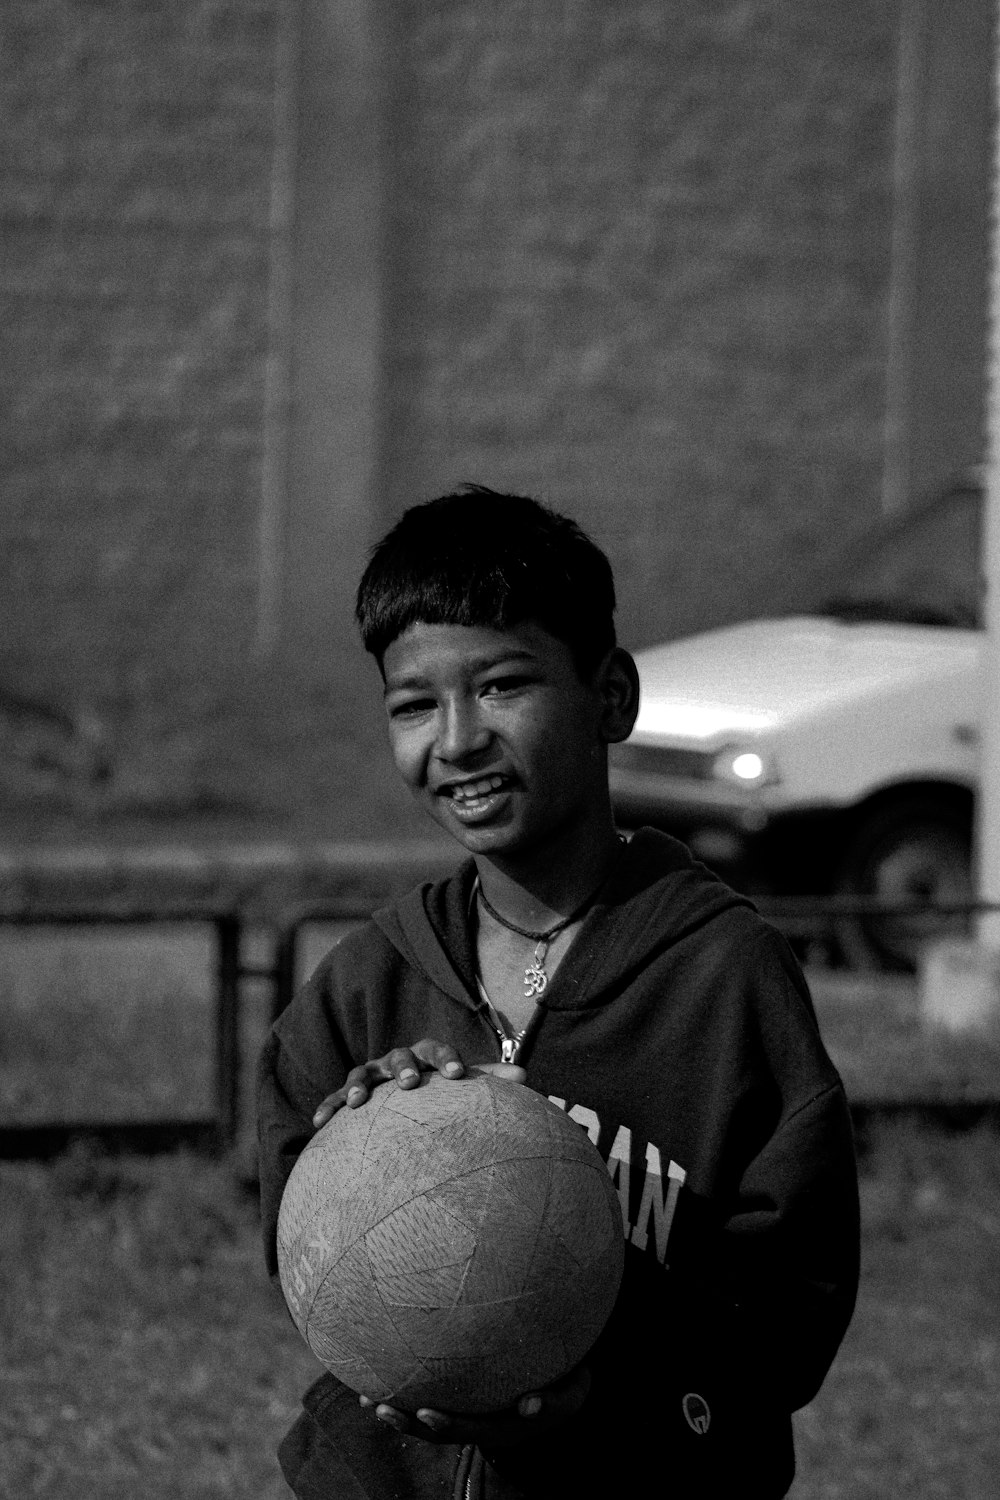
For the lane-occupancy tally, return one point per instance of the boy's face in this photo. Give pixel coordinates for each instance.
(496, 734)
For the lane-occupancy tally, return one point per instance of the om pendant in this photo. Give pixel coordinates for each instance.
(535, 980)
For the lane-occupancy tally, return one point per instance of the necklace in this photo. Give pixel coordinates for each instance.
(535, 978)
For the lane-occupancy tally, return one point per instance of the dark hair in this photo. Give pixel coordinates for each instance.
(478, 557)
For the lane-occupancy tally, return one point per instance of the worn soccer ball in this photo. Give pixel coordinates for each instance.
(451, 1246)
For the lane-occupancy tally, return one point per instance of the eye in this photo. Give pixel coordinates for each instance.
(410, 708)
(509, 683)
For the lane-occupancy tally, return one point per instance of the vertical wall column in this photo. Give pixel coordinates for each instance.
(936, 330)
(335, 322)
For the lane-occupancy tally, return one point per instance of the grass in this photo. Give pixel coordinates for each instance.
(873, 1030)
(120, 1027)
(97, 1026)
(145, 1353)
(117, 1026)
(911, 1403)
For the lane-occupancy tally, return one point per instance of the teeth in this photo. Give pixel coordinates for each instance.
(469, 791)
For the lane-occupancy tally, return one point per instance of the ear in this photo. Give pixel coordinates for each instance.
(618, 684)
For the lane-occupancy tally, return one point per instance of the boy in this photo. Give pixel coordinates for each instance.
(619, 978)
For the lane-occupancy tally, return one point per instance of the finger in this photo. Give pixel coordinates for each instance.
(404, 1065)
(509, 1071)
(355, 1090)
(395, 1419)
(492, 1430)
(327, 1109)
(352, 1095)
(438, 1421)
(560, 1399)
(440, 1056)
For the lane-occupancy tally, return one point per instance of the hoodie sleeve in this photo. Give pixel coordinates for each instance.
(785, 1266)
(388, 980)
(791, 1250)
(304, 1058)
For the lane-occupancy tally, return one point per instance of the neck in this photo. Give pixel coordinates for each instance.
(539, 889)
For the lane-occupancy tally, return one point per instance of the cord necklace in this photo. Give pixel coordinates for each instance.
(535, 978)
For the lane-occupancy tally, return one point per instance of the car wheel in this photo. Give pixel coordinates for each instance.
(917, 850)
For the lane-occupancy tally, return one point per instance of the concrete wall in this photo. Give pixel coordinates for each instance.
(134, 204)
(639, 262)
(944, 171)
(634, 258)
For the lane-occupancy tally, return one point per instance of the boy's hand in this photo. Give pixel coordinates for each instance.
(533, 1415)
(404, 1065)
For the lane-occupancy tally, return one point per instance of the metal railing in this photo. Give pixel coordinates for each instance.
(275, 893)
(235, 891)
(817, 917)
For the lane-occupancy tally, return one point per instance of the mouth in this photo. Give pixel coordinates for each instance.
(477, 796)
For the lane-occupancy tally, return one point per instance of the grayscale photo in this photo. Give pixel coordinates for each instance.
(500, 750)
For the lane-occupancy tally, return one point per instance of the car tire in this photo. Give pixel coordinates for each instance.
(920, 849)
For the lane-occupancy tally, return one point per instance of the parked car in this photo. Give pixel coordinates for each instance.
(835, 751)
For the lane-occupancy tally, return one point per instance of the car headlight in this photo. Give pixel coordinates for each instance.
(745, 767)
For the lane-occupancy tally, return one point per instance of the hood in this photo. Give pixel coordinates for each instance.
(767, 674)
(656, 894)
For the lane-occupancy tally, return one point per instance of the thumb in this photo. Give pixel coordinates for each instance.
(509, 1071)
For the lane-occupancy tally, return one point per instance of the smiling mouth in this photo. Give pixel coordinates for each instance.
(465, 793)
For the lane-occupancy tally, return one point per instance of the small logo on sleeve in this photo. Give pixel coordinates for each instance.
(696, 1413)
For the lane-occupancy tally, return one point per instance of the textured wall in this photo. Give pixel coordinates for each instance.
(134, 204)
(635, 260)
(641, 254)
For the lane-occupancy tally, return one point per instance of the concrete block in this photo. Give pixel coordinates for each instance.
(959, 984)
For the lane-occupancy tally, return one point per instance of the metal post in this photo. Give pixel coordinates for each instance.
(988, 823)
(285, 969)
(227, 1027)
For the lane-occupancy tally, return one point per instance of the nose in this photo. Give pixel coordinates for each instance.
(462, 732)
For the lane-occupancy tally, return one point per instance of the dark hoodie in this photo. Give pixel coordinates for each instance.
(679, 1032)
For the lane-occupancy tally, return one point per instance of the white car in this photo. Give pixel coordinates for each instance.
(834, 752)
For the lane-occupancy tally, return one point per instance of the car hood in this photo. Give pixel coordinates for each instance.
(768, 674)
